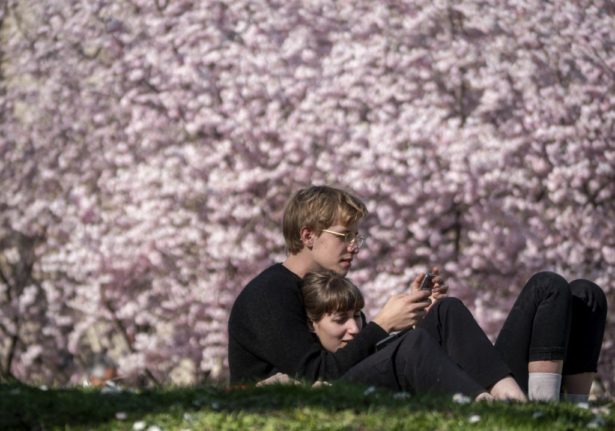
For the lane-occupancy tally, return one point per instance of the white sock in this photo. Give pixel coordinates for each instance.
(575, 398)
(544, 386)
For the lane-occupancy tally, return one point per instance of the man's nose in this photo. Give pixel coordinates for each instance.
(353, 247)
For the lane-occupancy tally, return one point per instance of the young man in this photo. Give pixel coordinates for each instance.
(447, 352)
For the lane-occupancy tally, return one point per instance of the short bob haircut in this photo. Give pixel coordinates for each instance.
(327, 292)
(317, 208)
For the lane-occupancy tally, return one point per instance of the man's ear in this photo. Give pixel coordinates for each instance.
(307, 236)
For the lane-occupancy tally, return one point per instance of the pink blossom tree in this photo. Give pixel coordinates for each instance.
(148, 148)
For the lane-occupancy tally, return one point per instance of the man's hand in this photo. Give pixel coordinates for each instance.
(278, 379)
(439, 288)
(284, 379)
(403, 310)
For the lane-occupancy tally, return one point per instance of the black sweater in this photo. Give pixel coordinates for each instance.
(268, 333)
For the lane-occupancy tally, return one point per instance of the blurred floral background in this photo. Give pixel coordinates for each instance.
(147, 149)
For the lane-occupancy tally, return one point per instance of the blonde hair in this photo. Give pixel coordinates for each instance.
(327, 292)
(317, 208)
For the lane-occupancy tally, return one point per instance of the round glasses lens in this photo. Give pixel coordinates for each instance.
(354, 239)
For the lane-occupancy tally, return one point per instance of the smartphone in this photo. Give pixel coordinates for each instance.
(427, 283)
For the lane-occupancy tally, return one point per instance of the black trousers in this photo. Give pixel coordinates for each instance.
(447, 353)
(554, 320)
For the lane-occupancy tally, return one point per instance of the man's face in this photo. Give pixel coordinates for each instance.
(331, 251)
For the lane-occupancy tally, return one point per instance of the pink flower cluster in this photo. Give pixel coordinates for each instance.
(147, 149)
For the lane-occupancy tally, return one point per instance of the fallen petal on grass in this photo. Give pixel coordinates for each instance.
(474, 419)
(461, 399)
(370, 390)
(401, 395)
(139, 426)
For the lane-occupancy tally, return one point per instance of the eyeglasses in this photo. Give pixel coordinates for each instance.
(350, 238)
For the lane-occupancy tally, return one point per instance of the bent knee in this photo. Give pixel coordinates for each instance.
(549, 278)
(550, 284)
(590, 293)
(449, 306)
(449, 303)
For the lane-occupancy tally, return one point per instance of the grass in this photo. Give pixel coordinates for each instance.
(279, 408)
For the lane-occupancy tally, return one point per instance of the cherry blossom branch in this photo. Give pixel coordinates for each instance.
(119, 326)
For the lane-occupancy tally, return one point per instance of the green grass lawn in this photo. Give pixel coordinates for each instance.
(279, 408)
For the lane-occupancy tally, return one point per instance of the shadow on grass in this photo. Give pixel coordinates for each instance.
(26, 407)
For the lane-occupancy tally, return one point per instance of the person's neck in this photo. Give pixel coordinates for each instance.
(299, 263)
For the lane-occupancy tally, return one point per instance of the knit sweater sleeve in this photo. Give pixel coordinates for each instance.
(268, 333)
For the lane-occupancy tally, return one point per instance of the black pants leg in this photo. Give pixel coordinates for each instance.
(447, 353)
(550, 322)
(454, 328)
(413, 363)
(589, 309)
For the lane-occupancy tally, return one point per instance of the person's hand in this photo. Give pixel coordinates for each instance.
(403, 310)
(279, 379)
(439, 288)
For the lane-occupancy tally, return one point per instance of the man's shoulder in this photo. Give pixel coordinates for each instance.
(276, 278)
(270, 291)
